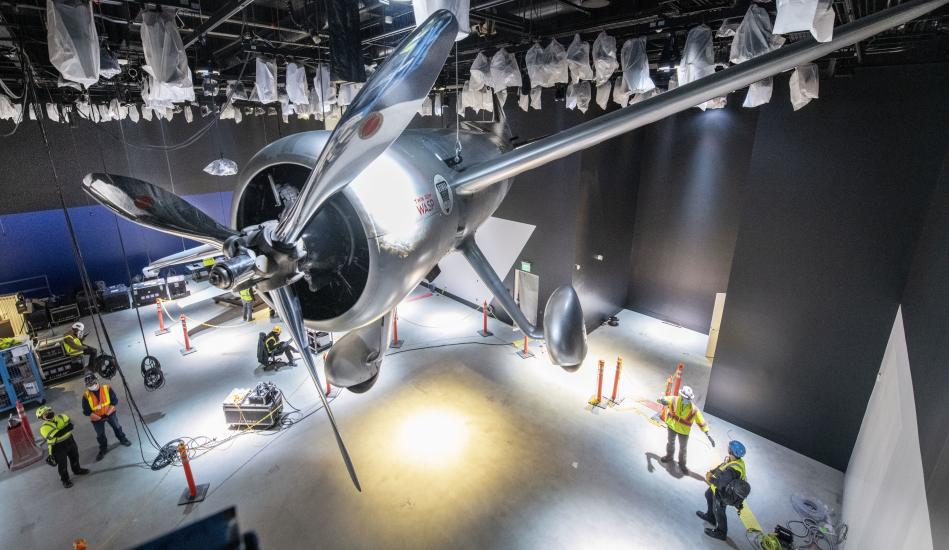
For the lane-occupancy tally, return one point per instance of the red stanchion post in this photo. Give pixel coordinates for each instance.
(484, 332)
(193, 493)
(619, 369)
(329, 387)
(396, 343)
(598, 396)
(678, 379)
(184, 330)
(525, 353)
(161, 318)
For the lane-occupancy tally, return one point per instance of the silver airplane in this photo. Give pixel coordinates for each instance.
(377, 206)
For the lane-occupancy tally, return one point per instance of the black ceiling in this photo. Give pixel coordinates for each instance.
(224, 33)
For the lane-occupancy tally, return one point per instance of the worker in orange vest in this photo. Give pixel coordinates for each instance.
(98, 403)
(680, 416)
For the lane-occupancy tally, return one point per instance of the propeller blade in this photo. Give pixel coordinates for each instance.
(185, 256)
(377, 117)
(149, 205)
(287, 304)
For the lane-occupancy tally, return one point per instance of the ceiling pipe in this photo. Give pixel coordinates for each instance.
(610, 125)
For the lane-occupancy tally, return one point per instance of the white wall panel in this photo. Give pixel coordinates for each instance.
(884, 495)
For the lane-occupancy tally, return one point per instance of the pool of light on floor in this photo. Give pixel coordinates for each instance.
(432, 437)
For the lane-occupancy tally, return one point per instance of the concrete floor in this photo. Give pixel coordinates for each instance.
(462, 446)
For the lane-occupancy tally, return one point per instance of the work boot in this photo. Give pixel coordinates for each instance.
(683, 468)
(665, 459)
(81, 471)
(67, 483)
(705, 517)
(100, 455)
(126, 443)
(715, 534)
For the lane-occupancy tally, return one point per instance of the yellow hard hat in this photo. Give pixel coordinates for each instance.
(277, 329)
(41, 412)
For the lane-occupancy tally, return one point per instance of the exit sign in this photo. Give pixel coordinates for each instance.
(525, 266)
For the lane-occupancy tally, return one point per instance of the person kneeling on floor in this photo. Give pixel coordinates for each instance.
(728, 486)
(680, 416)
(98, 403)
(276, 347)
(63, 451)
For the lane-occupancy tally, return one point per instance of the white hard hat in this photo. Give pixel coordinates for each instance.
(687, 393)
(79, 327)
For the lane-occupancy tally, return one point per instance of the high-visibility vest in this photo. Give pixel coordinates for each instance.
(737, 464)
(682, 414)
(49, 430)
(208, 262)
(72, 345)
(246, 295)
(271, 342)
(99, 404)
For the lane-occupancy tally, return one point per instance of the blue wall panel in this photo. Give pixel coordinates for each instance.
(37, 243)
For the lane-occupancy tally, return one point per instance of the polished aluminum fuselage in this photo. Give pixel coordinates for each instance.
(406, 206)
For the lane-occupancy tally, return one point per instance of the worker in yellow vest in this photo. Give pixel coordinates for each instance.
(275, 347)
(98, 403)
(727, 486)
(247, 301)
(56, 429)
(680, 416)
(72, 344)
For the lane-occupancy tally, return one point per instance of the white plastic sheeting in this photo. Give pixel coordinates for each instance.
(166, 61)
(571, 99)
(555, 64)
(604, 57)
(523, 101)
(426, 108)
(603, 94)
(636, 66)
(347, 92)
(502, 97)
(535, 97)
(584, 95)
(9, 110)
(72, 40)
(459, 8)
(133, 113)
(297, 89)
(438, 106)
(266, 81)
(108, 64)
(221, 167)
(534, 61)
(805, 85)
(698, 58)
(729, 28)
(621, 92)
(505, 71)
(324, 92)
(754, 37)
(759, 93)
(814, 16)
(189, 113)
(578, 60)
(480, 72)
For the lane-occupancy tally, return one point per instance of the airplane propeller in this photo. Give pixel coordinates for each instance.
(269, 256)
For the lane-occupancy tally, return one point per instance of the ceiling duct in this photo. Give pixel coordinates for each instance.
(552, 8)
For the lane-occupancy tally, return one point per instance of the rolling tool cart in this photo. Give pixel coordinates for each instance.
(20, 377)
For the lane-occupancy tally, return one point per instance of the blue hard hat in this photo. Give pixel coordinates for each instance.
(736, 448)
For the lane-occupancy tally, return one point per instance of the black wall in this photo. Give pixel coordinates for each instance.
(694, 173)
(27, 179)
(834, 205)
(581, 205)
(926, 322)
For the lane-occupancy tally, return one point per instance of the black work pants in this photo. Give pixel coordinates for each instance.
(716, 509)
(99, 426)
(284, 348)
(671, 445)
(66, 452)
(92, 353)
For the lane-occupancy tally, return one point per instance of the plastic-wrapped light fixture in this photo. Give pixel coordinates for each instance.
(815, 16)
(534, 60)
(166, 61)
(480, 72)
(578, 60)
(72, 40)
(698, 59)
(636, 66)
(221, 167)
(805, 85)
(266, 81)
(604, 57)
(555, 64)
(505, 72)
